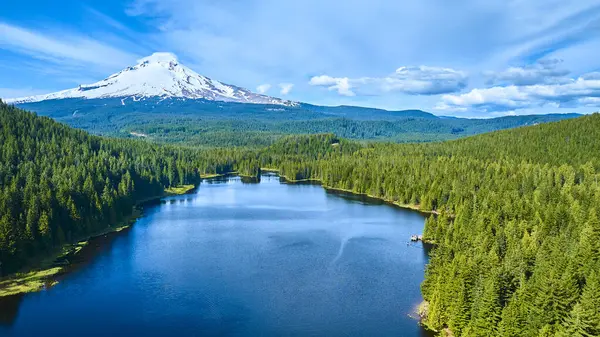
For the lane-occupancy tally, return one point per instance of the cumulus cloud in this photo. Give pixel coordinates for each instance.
(285, 88)
(546, 71)
(323, 38)
(420, 80)
(585, 90)
(263, 88)
(590, 101)
(340, 84)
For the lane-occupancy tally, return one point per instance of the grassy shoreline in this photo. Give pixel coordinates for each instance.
(212, 175)
(41, 272)
(179, 190)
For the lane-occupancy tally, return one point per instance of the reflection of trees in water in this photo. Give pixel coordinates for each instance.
(425, 333)
(9, 308)
(427, 248)
(218, 179)
(361, 198)
(9, 305)
(250, 180)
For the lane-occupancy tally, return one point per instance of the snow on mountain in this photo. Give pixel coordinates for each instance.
(160, 75)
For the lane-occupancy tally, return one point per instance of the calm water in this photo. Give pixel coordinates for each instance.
(239, 259)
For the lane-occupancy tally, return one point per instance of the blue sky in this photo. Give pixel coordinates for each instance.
(462, 58)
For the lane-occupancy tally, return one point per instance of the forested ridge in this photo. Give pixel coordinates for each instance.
(518, 237)
(59, 183)
(203, 123)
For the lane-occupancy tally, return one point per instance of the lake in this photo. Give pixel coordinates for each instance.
(240, 259)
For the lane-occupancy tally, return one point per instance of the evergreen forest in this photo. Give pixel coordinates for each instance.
(513, 214)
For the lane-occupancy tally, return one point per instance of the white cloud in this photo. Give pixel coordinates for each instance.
(323, 80)
(62, 48)
(340, 84)
(425, 80)
(590, 101)
(420, 80)
(285, 88)
(300, 39)
(585, 90)
(263, 88)
(545, 71)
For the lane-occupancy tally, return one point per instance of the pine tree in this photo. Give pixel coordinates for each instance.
(589, 304)
(576, 324)
(589, 244)
(489, 310)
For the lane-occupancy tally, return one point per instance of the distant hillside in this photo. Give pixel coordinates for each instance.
(362, 113)
(574, 142)
(213, 123)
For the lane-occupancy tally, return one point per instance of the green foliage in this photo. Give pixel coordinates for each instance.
(58, 183)
(177, 190)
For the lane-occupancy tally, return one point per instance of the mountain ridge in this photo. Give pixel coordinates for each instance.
(158, 75)
(212, 123)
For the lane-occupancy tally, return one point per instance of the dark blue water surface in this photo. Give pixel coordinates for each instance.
(240, 259)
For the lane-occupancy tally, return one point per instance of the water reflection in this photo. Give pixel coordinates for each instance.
(250, 180)
(9, 308)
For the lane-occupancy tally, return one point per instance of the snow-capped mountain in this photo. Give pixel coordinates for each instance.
(158, 75)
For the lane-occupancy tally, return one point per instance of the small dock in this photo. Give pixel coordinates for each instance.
(416, 237)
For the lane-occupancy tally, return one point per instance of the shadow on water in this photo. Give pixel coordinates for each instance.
(9, 309)
(94, 248)
(426, 333)
(218, 179)
(427, 248)
(367, 200)
(250, 180)
(9, 305)
(360, 198)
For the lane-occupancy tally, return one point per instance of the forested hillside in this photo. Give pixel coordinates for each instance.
(58, 183)
(518, 236)
(204, 123)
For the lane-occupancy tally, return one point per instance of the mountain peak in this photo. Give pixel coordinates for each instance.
(158, 75)
(158, 57)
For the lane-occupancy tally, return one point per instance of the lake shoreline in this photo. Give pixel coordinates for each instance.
(337, 189)
(40, 274)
